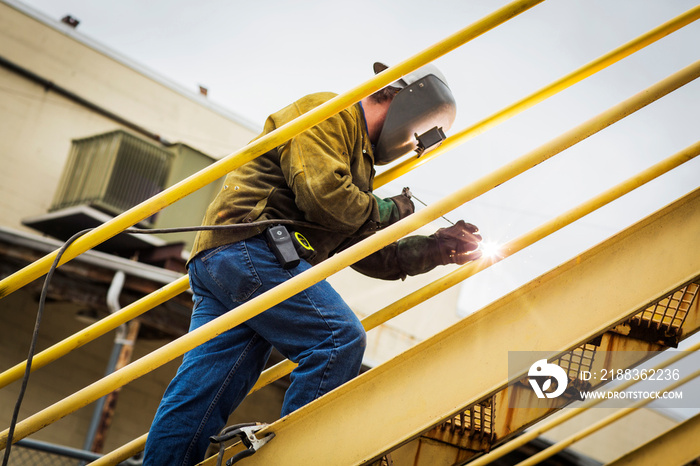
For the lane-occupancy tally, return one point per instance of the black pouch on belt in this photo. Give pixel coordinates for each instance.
(282, 245)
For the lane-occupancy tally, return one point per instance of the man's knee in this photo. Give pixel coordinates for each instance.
(354, 338)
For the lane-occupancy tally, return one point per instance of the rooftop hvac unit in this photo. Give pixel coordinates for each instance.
(112, 172)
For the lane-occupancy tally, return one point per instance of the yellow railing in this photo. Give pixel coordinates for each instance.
(261, 145)
(557, 86)
(158, 297)
(372, 244)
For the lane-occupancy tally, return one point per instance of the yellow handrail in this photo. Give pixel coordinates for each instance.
(261, 145)
(347, 257)
(557, 86)
(457, 276)
(135, 309)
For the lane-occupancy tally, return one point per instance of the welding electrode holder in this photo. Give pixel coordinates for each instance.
(282, 246)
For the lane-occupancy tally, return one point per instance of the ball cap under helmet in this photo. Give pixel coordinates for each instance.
(418, 115)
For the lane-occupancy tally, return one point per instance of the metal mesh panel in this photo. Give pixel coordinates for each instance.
(21, 456)
(670, 312)
(578, 360)
(140, 170)
(477, 420)
(87, 170)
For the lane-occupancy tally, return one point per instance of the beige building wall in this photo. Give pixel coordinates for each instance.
(37, 124)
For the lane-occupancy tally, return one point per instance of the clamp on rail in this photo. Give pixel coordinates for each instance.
(246, 434)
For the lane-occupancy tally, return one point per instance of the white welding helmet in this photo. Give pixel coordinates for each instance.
(418, 116)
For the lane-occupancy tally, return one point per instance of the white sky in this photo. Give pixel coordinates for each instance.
(257, 56)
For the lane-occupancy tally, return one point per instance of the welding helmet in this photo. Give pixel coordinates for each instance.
(420, 113)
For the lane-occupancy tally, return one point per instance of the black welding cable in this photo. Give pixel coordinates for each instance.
(52, 269)
(32, 345)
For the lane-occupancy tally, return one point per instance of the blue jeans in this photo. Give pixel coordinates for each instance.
(314, 328)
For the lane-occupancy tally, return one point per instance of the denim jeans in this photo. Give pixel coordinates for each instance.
(314, 328)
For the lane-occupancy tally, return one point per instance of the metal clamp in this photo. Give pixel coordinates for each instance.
(246, 434)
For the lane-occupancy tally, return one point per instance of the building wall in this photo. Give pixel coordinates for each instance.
(37, 124)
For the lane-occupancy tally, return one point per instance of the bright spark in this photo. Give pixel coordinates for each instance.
(490, 249)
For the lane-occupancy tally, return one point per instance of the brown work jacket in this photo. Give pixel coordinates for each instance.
(323, 177)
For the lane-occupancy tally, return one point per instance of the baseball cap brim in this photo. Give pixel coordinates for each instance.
(379, 67)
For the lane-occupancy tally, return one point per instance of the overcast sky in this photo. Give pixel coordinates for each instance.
(257, 56)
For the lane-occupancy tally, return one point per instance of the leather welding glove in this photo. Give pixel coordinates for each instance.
(458, 244)
(393, 209)
(419, 254)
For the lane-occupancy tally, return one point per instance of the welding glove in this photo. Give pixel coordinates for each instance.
(458, 244)
(419, 254)
(393, 209)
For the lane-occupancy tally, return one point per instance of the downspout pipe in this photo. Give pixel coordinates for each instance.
(115, 289)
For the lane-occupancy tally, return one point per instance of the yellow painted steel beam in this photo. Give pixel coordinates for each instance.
(351, 255)
(469, 361)
(622, 351)
(568, 414)
(596, 426)
(557, 86)
(372, 321)
(262, 145)
(676, 447)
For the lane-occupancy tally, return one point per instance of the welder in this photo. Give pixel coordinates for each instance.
(318, 185)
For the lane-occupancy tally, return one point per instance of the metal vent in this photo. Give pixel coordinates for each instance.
(112, 172)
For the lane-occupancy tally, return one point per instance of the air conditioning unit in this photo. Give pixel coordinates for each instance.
(112, 172)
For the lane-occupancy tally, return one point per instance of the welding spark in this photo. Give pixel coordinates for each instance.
(490, 249)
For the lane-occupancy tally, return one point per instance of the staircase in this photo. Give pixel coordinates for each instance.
(450, 399)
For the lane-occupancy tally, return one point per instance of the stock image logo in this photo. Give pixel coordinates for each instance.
(540, 377)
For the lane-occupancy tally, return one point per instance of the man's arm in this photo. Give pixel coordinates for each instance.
(415, 255)
(317, 167)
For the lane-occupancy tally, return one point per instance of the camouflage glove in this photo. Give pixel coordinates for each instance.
(458, 244)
